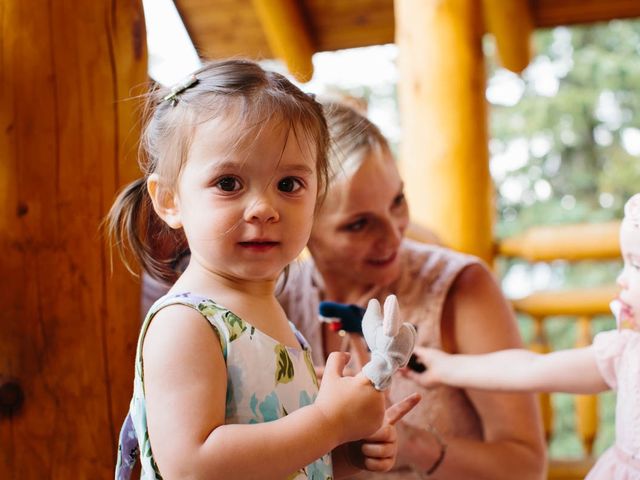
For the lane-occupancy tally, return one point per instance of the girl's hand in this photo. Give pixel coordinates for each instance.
(435, 361)
(353, 407)
(377, 453)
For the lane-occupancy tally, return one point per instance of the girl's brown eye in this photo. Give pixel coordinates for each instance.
(289, 185)
(228, 184)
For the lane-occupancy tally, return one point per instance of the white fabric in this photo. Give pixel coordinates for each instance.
(390, 341)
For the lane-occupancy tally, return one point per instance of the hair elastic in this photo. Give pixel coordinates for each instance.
(177, 89)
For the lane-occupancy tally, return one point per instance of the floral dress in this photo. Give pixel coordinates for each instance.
(284, 382)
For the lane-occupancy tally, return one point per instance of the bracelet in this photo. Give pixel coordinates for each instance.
(443, 450)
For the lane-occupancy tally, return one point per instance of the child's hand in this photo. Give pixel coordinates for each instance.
(377, 453)
(353, 407)
(434, 361)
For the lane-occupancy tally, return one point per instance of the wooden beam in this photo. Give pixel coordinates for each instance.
(567, 242)
(552, 13)
(511, 24)
(288, 35)
(581, 302)
(444, 155)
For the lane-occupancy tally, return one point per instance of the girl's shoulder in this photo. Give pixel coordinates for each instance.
(615, 350)
(226, 325)
(613, 343)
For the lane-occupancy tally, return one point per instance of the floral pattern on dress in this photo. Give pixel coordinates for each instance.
(283, 382)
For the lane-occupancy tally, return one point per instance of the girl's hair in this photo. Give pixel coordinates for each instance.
(353, 135)
(248, 99)
(632, 211)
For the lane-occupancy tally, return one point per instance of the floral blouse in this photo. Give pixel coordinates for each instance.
(265, 381)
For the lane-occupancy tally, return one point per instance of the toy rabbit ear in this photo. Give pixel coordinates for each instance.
(391, 322)
(372, 316)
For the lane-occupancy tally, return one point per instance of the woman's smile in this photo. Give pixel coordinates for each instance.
(383, 261)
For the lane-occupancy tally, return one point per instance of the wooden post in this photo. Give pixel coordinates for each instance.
(287, 34)
(540, 344)
(511, 24)
(444, 153)
(68, 323)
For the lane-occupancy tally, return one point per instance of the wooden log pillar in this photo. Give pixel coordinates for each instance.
(444, 152)
(68, 320)
(288, 35)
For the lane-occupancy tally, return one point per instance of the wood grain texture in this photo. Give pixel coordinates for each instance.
(223, 28)
(67, 324)
(443, 156)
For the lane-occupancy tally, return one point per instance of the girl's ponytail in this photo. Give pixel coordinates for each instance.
(136, 231)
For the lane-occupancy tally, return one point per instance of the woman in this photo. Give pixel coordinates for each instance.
(358, 252)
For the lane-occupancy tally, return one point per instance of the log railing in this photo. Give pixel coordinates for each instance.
(573, 242)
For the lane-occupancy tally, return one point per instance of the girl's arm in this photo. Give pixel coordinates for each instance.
(516, 370)
(477, 319)
(185, 389)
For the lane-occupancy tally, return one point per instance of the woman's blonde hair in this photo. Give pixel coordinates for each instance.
(353, 135)
(248, 99)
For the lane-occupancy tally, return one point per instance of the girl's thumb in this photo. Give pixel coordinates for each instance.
(335, 364)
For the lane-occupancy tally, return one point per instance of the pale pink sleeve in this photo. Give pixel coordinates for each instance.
(608, 347)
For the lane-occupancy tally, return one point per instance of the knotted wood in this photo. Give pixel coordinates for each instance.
(68, 325)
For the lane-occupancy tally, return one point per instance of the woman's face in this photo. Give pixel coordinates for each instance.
(358, 230)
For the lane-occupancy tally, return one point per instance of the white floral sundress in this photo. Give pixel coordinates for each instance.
(266, 381)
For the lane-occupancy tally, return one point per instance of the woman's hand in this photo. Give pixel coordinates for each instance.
(377, 453)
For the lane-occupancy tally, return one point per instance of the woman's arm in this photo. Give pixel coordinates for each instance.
(516, 370)
(185, 389)
(477, 319)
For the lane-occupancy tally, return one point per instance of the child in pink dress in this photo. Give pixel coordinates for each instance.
(611, 362)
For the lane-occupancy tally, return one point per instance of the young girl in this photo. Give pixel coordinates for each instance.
(612, 361)
(234, 162)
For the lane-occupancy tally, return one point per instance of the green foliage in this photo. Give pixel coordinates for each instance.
(578, 104)
(576, 168)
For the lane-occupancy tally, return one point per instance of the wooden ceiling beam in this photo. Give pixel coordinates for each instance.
(287, 34)
(511, 24)
(553, 13)
(223, 28)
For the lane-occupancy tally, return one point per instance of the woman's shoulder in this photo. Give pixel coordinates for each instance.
(299, 282)
(418, 251)
(434, 266)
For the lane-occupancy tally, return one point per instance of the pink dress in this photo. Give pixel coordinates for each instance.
(618, 358)
(427, 275)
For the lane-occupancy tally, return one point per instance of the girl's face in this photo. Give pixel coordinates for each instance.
(357, 233)
(247, 210)
(629, 279)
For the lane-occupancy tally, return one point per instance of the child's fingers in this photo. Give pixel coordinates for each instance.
(319, 373)
(379, 464)
(425, 379)
(386, 433)
(379, 450)
(335, 365)
(423, 354)
(398, 410)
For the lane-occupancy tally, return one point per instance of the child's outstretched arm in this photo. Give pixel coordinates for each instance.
(185, 389)
(518, 370)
